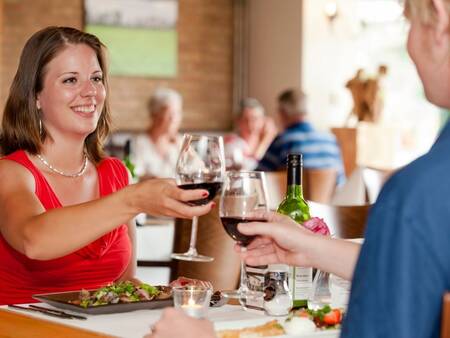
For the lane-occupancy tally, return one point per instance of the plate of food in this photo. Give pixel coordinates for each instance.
(324, 323)
(113, 298)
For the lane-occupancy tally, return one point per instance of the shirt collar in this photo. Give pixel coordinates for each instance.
(301, 126)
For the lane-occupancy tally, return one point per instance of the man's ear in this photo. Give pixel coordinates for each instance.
(442, 25)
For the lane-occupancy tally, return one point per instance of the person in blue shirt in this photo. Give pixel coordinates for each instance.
(402, 270)
(319, 149)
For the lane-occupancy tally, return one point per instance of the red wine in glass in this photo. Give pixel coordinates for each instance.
(212, 187)
(200, 164)
(243, 200)
(230, 224)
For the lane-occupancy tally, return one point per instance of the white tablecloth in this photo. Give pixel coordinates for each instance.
(136, 324)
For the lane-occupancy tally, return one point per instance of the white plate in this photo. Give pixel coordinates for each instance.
(240, 324)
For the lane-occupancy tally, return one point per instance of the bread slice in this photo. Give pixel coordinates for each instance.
(269, 329)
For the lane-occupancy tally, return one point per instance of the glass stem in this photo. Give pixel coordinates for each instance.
(193, 241)
(243, 283)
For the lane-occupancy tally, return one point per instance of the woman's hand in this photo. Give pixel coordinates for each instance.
(184, 281)
(269, 129)
(162, 197)
(175, 323)
(281, 240)
(266, 136)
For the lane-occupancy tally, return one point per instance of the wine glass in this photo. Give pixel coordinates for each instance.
(320, 293)
(243, 194)
(200, 165)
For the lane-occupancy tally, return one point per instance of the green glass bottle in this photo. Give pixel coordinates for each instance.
(295, 206)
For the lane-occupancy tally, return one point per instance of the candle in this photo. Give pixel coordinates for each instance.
(194, 310)
(193, 301)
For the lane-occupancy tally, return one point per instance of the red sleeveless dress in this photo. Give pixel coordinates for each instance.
(101, 262)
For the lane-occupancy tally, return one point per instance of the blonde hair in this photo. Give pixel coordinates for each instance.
(251, 103)
(424, 10)
(162, 97)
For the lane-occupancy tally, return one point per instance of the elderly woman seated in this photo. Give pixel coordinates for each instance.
(255, 132)
(155, 152)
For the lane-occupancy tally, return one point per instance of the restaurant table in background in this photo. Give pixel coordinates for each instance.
(154, 244)
(127, 325)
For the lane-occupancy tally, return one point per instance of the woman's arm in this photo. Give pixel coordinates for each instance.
(43, 235)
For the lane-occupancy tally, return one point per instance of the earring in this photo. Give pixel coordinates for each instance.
(38, 106)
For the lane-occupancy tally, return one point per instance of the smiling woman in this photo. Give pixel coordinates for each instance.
(66, 210)
(22, 120)
(73, 93)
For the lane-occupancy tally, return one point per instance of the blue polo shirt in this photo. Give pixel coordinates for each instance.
(319, 150)
(404, 266)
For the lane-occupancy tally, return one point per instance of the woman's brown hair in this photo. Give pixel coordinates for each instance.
(21, 124)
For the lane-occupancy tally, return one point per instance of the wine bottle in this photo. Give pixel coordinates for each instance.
(295, 206)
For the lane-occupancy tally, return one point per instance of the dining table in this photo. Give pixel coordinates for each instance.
(16, 323)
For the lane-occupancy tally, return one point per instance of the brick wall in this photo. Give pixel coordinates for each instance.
(21, 18)
(205, 59)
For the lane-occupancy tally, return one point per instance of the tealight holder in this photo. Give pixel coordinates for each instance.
(193, 300)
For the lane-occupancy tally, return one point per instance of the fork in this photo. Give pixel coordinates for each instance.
(49, 312)
(56, 311)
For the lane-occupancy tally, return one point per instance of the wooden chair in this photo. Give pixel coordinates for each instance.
(343, 221)
(346, 138)
(445, 323)
(276, 187)
(212, 240)
(318, 185)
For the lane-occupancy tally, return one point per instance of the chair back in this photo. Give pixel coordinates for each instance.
(344, 221)
(346, 138)
(276, 187)
(319, 184)
(212, 240)
(445, 323)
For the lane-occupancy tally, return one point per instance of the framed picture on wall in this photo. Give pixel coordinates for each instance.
(141, 35)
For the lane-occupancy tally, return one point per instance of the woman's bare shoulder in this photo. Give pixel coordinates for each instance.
(16, 175)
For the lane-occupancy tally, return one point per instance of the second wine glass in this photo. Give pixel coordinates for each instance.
(201, 165)
(243, 195)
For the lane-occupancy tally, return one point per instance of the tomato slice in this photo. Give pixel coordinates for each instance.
(333, 317)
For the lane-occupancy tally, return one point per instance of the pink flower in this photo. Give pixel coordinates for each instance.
(317, 225)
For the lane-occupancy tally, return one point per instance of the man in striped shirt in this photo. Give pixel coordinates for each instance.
(319, 149)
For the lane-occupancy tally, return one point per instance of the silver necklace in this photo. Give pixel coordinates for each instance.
(78, 174)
